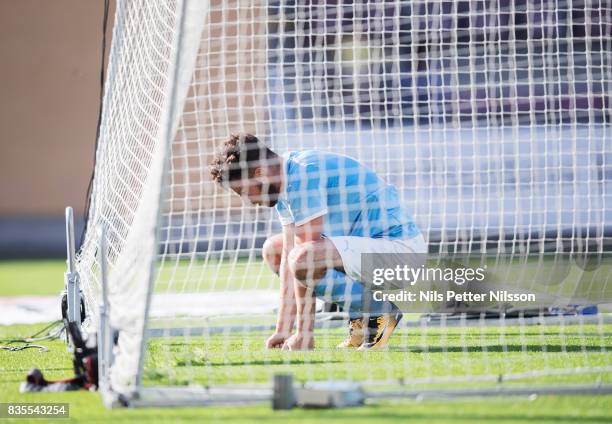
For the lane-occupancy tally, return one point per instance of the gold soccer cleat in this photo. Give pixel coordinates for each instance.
(355, 337)
(379, 331)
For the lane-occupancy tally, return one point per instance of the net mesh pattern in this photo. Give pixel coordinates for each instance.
(491, 118)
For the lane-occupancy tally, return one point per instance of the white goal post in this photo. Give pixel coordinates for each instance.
(493, 120)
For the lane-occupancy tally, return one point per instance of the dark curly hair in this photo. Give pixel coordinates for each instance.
(238, 158)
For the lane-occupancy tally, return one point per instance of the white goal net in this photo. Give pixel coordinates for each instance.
(491, 118)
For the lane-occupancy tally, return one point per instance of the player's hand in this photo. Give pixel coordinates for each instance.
(299, 341)
(276, 340)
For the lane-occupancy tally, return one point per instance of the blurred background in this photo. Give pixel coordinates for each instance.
(49, 80)
(50, 85)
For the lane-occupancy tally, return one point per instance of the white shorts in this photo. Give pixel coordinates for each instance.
(351, 248)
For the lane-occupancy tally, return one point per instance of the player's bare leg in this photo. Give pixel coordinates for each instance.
(310, 261)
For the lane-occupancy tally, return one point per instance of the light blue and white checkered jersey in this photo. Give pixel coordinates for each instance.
(354, 200)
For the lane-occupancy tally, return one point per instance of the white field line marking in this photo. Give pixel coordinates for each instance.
(36, 309)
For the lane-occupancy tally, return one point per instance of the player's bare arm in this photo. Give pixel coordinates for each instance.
(277, 258)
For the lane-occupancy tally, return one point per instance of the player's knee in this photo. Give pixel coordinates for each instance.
(298, 262)
(302, 264)
(272, 254)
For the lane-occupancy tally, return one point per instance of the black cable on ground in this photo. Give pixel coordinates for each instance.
(56, 327)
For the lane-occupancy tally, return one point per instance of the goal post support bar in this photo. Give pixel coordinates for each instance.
(287, 394)
(105, 331)
(71, 276)
(603, 389)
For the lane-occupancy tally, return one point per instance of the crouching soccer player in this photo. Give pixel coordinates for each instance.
(332, 209)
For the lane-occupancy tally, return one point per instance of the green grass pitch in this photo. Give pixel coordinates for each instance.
(218, 360)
